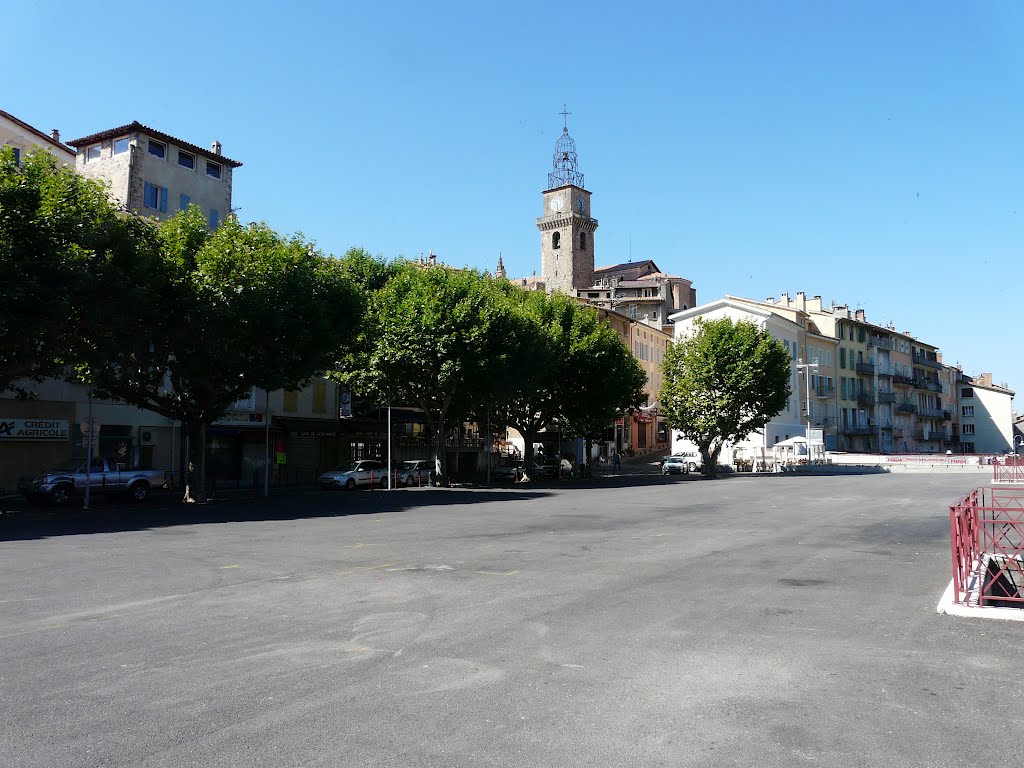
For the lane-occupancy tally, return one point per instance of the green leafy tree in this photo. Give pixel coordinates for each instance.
(436, 337)
(603, 379)
(573, 371)
(353, 370)
(722, 383)
(58, 232)
(229, 310)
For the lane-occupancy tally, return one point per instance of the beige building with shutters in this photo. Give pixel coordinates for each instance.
(154, 174)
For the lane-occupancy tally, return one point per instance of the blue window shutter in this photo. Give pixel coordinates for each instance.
(149, 195)
(17, 155)
(214, 218)
(163, 199)
(185, 200)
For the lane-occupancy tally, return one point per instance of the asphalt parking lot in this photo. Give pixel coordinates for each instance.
(768, 621)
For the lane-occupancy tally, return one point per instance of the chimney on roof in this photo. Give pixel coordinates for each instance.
(216, 148)
(815, 304)
(801, 301)
(860, 315)
(984, 379)
(431, 258)
(55, 135)
(784, 298)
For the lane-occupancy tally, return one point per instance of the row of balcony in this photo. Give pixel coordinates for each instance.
(927, 362)
(882, 342)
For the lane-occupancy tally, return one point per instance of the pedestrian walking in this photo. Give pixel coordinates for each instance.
(616, 460)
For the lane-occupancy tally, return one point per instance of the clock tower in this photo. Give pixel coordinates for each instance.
(566, 227)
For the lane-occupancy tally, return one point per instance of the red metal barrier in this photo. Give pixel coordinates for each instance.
(1008, 471)
(986, 530)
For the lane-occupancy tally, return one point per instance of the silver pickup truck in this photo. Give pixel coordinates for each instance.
(105, 476)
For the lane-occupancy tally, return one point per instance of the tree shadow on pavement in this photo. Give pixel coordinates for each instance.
(22, 521)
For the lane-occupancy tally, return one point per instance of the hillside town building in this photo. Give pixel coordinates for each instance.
(155, 174)
(22, 138)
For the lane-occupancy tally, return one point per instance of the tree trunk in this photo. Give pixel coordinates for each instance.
(195, 484)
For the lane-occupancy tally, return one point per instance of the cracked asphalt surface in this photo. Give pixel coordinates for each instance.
(769, 621)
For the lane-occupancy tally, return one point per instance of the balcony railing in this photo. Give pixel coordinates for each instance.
(887, 397)
(924, 433)
(857, 429)
(883, 370)
(882, 342)
(927, 361)
(825, 390)
(930, 413)
(867, 397)
(903, 381)
(947, 414)
(865, 368)
(905, 406)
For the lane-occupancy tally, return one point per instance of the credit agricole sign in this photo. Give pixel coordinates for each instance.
(33, 429)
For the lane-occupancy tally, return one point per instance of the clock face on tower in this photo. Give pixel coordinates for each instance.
(581, 205)
(556, 203)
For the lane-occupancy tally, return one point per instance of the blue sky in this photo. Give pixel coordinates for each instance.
(868, 152)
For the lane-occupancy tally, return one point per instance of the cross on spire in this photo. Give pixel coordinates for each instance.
(565, 118)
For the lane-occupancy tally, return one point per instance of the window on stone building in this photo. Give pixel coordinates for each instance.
(157, 149)
(183, 202)
(966, 410)
(120, 146)
(187, 160)
(154, 197)
(583, 239)
(213, 169)
(966, 429)
(214, 218)
(556, 240)
(17, 155)
(291, 401)
(967, 392)
(92, 153)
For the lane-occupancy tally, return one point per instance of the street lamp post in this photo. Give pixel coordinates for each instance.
(806, 368)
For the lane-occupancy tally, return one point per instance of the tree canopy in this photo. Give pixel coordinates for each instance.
(58, 230)
(722, 383)
(228, 310)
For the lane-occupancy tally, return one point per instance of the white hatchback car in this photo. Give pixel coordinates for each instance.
(363, 472)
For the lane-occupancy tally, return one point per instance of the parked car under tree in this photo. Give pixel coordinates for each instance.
(106, 476)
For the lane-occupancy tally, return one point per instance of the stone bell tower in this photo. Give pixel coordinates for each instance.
(566, 227)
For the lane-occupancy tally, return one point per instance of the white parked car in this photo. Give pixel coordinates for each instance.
(363, 472)
(675, 465)
(692, 459)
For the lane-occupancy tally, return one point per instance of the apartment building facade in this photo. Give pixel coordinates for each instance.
(22, 138)
(155, 174)
(986, 416)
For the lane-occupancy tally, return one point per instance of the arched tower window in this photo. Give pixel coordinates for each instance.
(556, 240)
(583, 240)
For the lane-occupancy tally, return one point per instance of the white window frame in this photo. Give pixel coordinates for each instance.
(220, 170)
(123, 141)
(192, 159)
(152, 143)
(90, 157)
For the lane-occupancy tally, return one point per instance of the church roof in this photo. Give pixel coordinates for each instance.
(646, 263)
